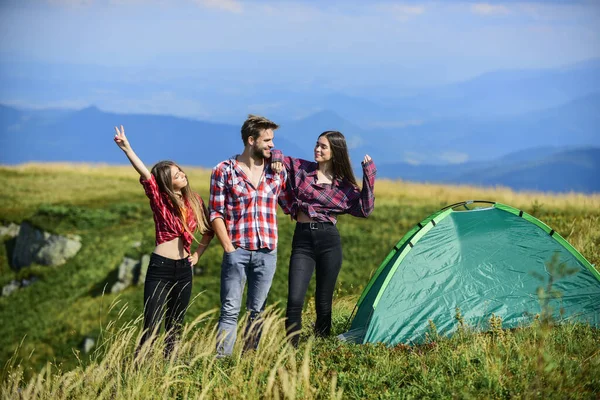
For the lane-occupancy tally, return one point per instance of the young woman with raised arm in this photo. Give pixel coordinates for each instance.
(178, 213)
(315, 194)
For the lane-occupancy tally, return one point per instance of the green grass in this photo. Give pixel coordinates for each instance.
(540, 361)
(46, 322)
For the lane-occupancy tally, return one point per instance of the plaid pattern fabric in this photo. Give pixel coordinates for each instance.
(250, 213)
(167, 224)
(323, 202)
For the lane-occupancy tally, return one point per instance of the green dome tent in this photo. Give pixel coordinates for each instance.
(482, 260)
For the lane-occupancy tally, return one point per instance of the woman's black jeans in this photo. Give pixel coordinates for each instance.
(316, 246)
(167, 293)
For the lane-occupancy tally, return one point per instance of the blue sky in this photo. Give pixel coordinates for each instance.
(342, 45)
(467, 37)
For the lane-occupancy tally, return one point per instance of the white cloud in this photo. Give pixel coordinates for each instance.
(139, 2)
(354, 142)
(454, 157)
(70, 3)
(233, 6)
(489, 9)
(403, 12)
(81, 3)
(558, 12)
(396, 124)
(412, 158)
(294, 12)
(74, 104)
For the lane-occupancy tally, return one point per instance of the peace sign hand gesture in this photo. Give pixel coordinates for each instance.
(121, 139)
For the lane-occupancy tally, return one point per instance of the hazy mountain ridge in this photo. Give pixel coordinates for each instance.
(194, 92)
(549, 170)
(511, 117)
(456, 140)
(86, 135)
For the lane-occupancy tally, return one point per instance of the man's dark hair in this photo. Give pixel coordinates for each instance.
(254, 125)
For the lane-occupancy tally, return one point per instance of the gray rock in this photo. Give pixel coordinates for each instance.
(87, 345)
(10, 230)
(144, 262)
(27, 282)
(11, 287)
(127, 270)
(118, 287)
(131, 272)
(16, 284)
(35, 246)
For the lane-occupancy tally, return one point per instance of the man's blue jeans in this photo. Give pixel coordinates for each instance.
(258, 267)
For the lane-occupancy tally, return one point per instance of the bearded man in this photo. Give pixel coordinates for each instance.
(243, 213)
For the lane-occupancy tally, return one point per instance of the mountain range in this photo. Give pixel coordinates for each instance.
(522, 129)
(86, 136)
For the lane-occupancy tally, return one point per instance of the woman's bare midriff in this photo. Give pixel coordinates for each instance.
(301, 217)
(172, 249)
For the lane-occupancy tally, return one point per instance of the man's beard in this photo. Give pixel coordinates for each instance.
(258, 153)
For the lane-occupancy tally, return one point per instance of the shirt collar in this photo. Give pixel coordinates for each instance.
(235, 164)
(312, 172)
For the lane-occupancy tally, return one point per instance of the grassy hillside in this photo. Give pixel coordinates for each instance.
(106, 206)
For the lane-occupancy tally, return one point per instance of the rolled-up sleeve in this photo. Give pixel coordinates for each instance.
(217, 194)
(153, 193)
(363, 203)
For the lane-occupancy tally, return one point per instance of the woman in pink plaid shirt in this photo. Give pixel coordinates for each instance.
(315, 193)
(178, 213)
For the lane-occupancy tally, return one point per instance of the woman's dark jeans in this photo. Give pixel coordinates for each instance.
(316, 245)
(167, 293)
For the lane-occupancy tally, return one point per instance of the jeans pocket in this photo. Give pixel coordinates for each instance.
(228, 258)
(229, 253)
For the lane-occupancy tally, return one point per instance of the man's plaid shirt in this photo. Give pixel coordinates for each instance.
(250, 213)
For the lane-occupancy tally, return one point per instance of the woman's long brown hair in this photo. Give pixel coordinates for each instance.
(162, 174)
(340, 160)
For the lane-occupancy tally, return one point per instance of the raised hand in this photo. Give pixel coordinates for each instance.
(366, 159)
(277, 167)
(121, 139)
(123, 143)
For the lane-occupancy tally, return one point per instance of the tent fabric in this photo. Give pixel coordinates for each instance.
(482, 261)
